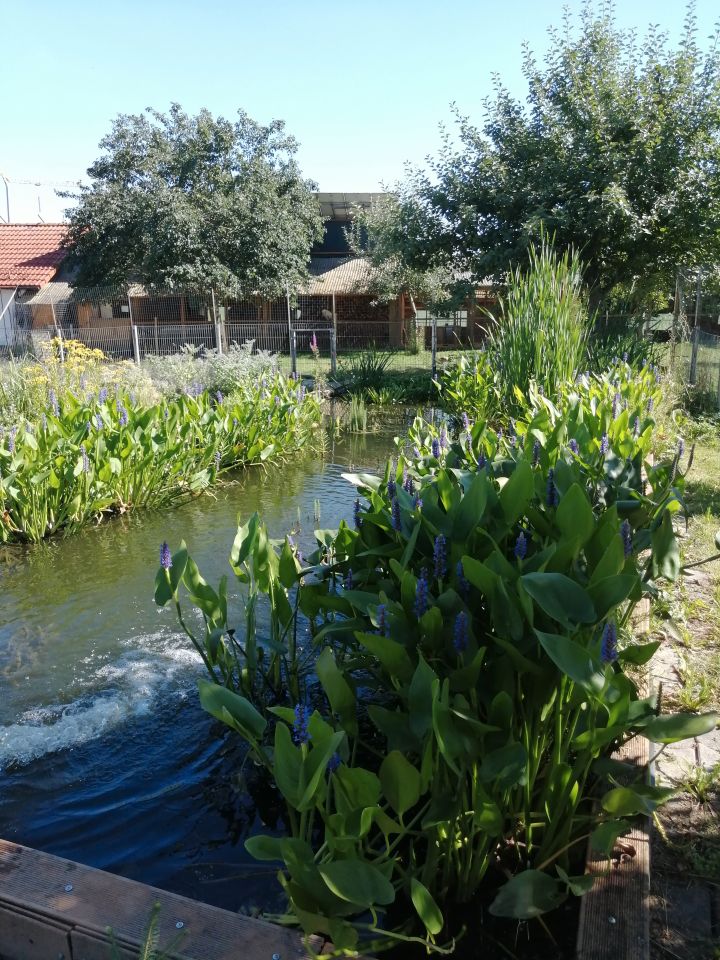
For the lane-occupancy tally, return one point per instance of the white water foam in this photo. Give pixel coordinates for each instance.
(121, 691)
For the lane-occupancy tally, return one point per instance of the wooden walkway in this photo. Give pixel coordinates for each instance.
(54, 909)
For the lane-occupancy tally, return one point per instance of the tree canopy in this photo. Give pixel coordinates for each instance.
(616, 153)
(182, 200)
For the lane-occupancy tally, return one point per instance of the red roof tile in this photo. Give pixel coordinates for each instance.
(30, 253)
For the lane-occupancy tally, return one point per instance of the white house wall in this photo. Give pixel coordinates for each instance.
(7, 313)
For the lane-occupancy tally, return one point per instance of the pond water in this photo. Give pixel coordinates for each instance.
(105, 754)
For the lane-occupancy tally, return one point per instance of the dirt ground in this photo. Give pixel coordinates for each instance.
(685, 864)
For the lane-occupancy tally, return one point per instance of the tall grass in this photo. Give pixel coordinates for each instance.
(542, 330)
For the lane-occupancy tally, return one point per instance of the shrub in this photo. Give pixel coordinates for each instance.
(470, 639)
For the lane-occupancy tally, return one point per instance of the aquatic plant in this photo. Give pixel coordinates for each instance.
(60, 476)
(461, 726)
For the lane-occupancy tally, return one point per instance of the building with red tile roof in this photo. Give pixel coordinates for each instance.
(30, 253)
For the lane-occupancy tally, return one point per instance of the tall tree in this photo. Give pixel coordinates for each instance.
(616, 152)
(181, 200)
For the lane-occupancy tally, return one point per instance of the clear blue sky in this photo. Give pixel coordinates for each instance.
(362, 85)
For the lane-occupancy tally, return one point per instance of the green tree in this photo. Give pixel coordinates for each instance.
(181, 200)
(616, 153)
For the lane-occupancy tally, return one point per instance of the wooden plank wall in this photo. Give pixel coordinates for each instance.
(55, 909)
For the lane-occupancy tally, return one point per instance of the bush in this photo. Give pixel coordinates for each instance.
(446, 735)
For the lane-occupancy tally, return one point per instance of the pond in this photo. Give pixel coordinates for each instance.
(105, 754)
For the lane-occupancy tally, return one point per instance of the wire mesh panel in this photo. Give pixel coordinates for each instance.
(114, 341)
(163, 339)
(701, 363)
(274, 337)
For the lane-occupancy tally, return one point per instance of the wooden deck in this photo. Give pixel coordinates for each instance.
(54, 909)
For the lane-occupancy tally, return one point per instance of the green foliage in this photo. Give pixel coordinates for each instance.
(614, 150)
(607, 343)
(203, 201)
(542, 329)
(468, 637)
(365, 369)
(90, 456)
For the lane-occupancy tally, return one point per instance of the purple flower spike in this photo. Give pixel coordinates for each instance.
(102, 395)
(333, 763)
(11, 439)
(617, 399)
(636, 428)
(382, 619)
(466, 422)
(85, 460)
(626, 534)
(460, 632)
(418, 503)
(356, 514)
(440, 556)
(165, 557)
(391, 487)
(608, 650)
(536, 453)
(650, 405)
(301, 734)
(396, 522)
(348, 581)
(574, 446)
(604, 445)
(219, 397)
(625, 357)
(444, 444)
(416, 453)
(481, 461)
(552, 498)
(421, 594)
(123, 418)
(54, 405)
(218, 459)
(435, 448)
(98, 421)
(520, 546)
(680, 448)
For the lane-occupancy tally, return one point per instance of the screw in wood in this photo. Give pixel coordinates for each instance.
(179, 925)
(68, 887)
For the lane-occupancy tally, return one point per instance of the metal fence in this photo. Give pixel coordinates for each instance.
(699, 363)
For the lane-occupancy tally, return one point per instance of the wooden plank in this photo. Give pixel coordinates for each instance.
(615, 913)
(24, 936)
(40, 888)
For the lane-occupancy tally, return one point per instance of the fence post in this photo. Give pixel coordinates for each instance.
(293, 352)
(333, 351)
(58, 334)
(135, 342)
(718, 388)
(218, 337)
(433, 341)
(694, 356)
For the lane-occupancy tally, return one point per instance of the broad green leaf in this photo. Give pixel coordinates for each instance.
(262, 847)
(505, 767)
(573, 660)
(426, 908)
(517, 493)
(338, 690)
(222, 704)
(574, 516)
(400, 782)
(528, 894)
(610, 592)
(665, 551)
(629, 801)
(679, 726)
(357, 882)
(393, 656)
(560, 598)
(605, 835)
(576, 885)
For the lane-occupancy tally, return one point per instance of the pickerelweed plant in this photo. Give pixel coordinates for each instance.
(90, 456)
(471, 631)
